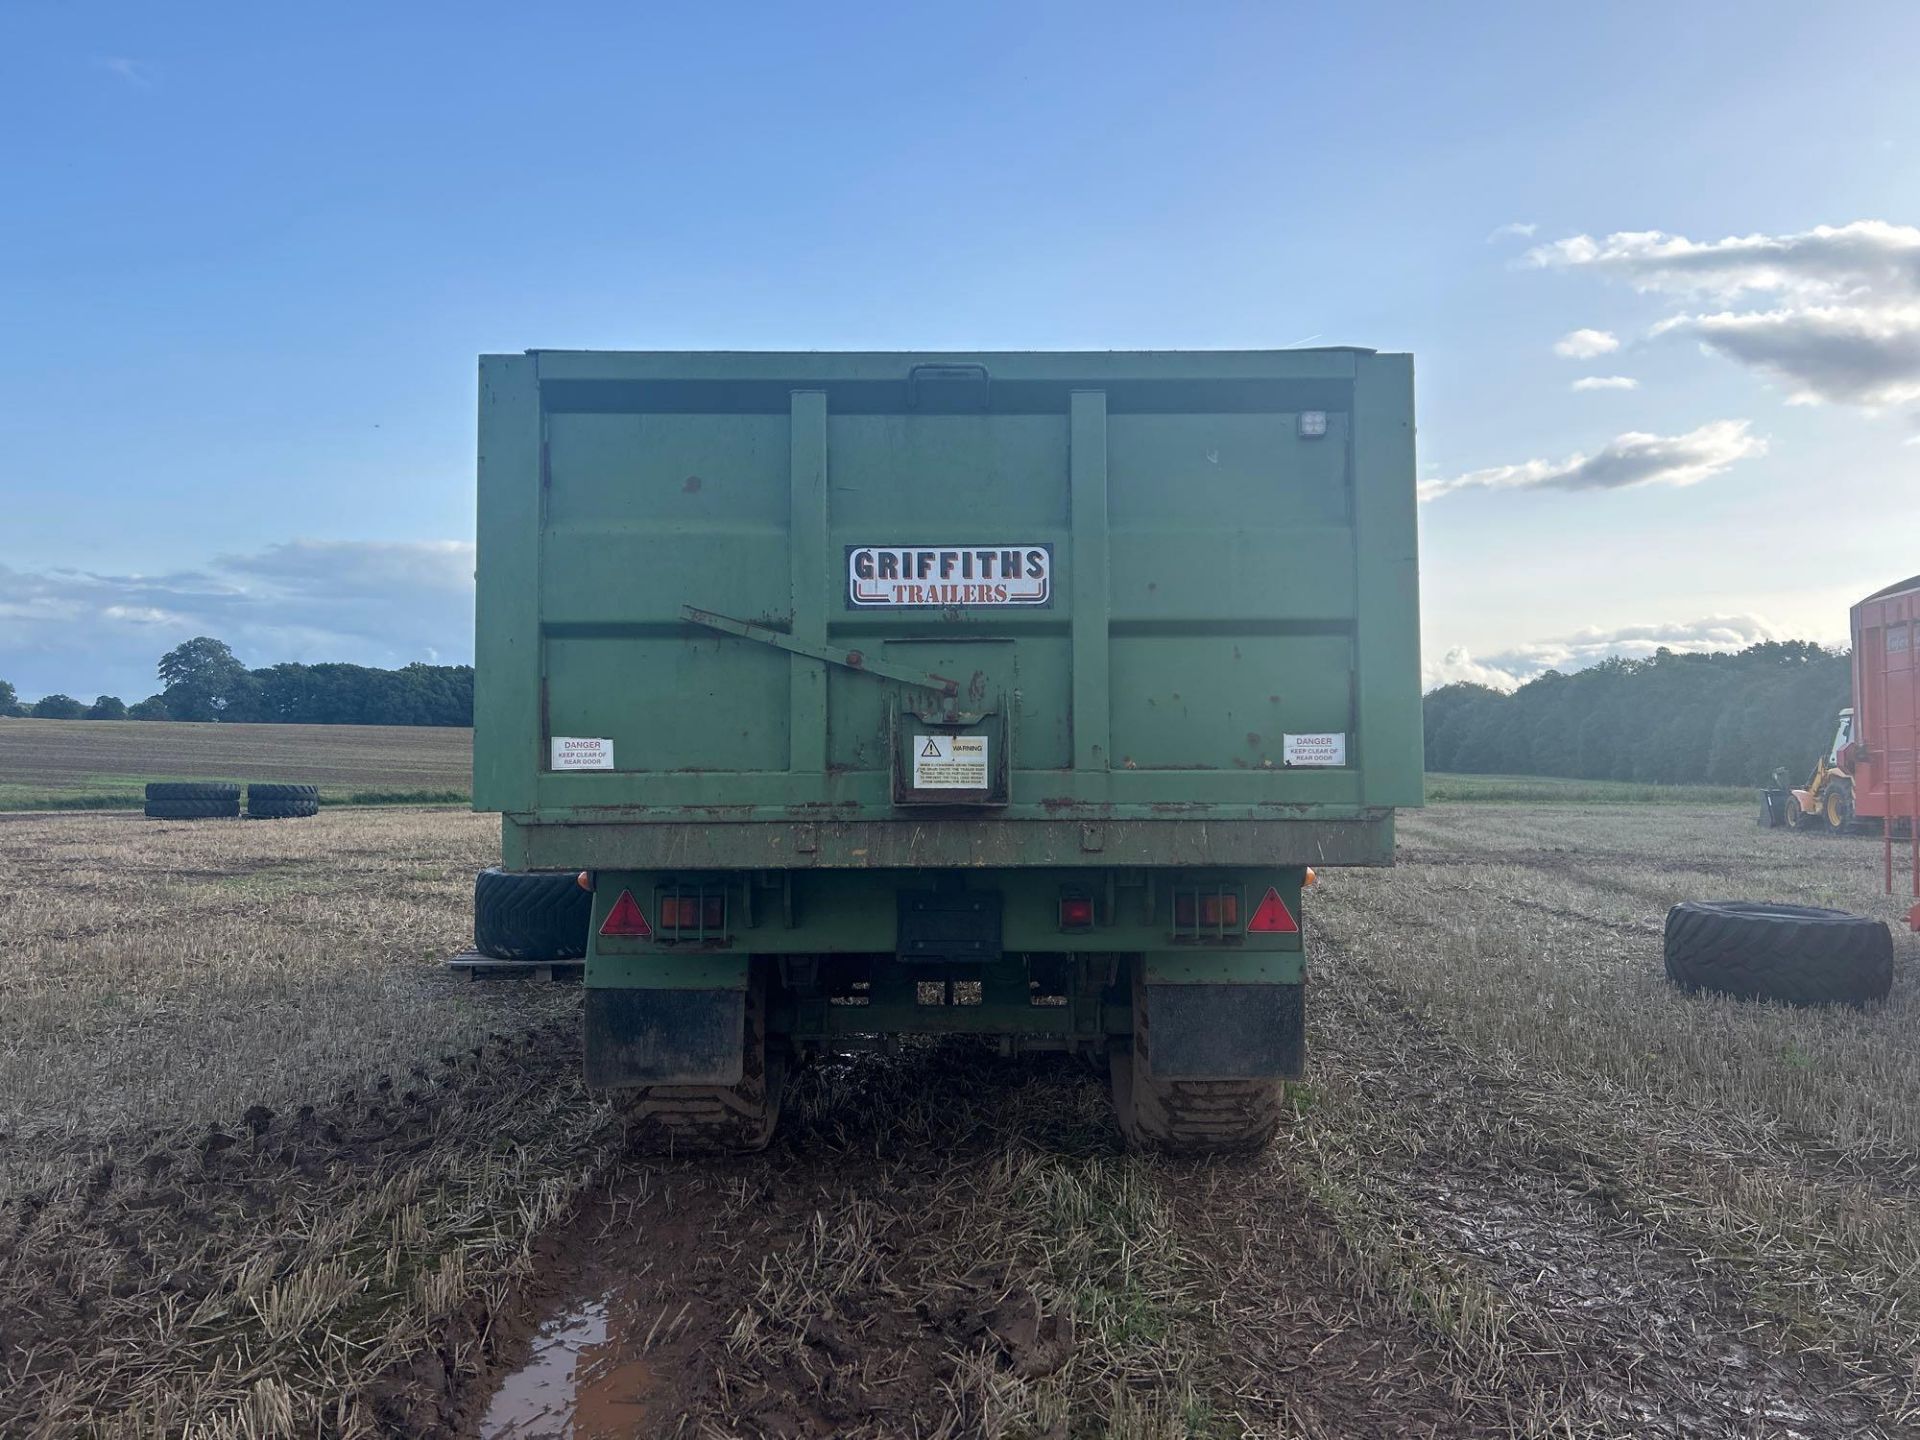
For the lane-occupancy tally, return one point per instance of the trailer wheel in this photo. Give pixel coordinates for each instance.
(713, 1119)
(1800, 954)
(1186, 1117)
(537, 915)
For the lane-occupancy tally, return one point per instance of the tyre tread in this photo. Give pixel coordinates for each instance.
(530, 915)
(1813, 959)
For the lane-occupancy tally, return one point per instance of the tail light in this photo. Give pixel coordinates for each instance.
(1193, 909)
(1076, 912)
(698, 913)
(1207, 914)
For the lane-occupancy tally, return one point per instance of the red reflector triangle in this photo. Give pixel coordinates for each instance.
(626, 918)
(1272, 916)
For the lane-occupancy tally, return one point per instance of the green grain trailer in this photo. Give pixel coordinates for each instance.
(1006, 695)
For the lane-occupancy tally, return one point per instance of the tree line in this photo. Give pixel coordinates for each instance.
(1725, 719)
(1722, 719)
(202, 679)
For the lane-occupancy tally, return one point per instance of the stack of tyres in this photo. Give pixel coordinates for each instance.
(282, 802)
(192, 800)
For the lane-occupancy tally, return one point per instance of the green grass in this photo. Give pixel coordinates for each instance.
(1551, 790)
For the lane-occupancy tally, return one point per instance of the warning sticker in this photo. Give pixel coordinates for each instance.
(949, 762)
(575, 754)
(1321, 749)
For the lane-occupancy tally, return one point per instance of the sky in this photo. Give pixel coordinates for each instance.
(1657, 265)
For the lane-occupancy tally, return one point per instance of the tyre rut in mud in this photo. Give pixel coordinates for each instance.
(1800, 954)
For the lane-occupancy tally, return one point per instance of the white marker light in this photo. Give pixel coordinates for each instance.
(1313, 424)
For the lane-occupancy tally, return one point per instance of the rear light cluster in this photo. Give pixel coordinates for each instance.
(695, 910)
(1076, 912)
(1218, 913)
(691, 914)
(1211, 912)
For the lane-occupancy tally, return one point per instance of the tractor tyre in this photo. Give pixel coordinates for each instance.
(262, 793)
(192, 800)
(1836, 809)
(670, 1120)
(1797, 819)
(1186, 1117)
(1798, 954)
(282, 802)
(537, 915)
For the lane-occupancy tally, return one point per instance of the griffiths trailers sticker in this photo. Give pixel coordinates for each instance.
(947, 576)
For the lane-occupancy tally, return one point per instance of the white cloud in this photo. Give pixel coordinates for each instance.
(371, 602)
(1586, 344)
(1508, 669)
(1606, 382)
(1512, 230)
(1845, 323)
(1626, 460)
(1848, 354)
(1827, 262)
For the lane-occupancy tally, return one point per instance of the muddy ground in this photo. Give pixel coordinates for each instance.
(1527, 1189)
(1472, 1227)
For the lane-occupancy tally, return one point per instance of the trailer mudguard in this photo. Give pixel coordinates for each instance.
(1227, 1032)
(665, 1037)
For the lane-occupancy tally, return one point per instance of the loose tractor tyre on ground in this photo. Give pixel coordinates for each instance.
(1001, 695)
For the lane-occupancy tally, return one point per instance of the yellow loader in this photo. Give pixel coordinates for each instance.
(1825, 803)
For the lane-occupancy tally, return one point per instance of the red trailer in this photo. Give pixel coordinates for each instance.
(1885, 748)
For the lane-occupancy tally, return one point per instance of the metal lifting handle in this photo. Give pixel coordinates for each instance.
(946, 370)
(832, 654)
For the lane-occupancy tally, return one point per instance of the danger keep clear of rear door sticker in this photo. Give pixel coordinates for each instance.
(572, 752)
(1320, 749)
(949, 762)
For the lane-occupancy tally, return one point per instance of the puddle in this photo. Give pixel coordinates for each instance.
(577, 1385)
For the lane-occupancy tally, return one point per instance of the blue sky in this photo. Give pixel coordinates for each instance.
(251, 253)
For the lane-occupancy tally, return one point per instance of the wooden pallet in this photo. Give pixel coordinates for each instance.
(485, 967)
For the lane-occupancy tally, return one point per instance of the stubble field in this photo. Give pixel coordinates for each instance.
(106, 764)
(266, 1169)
